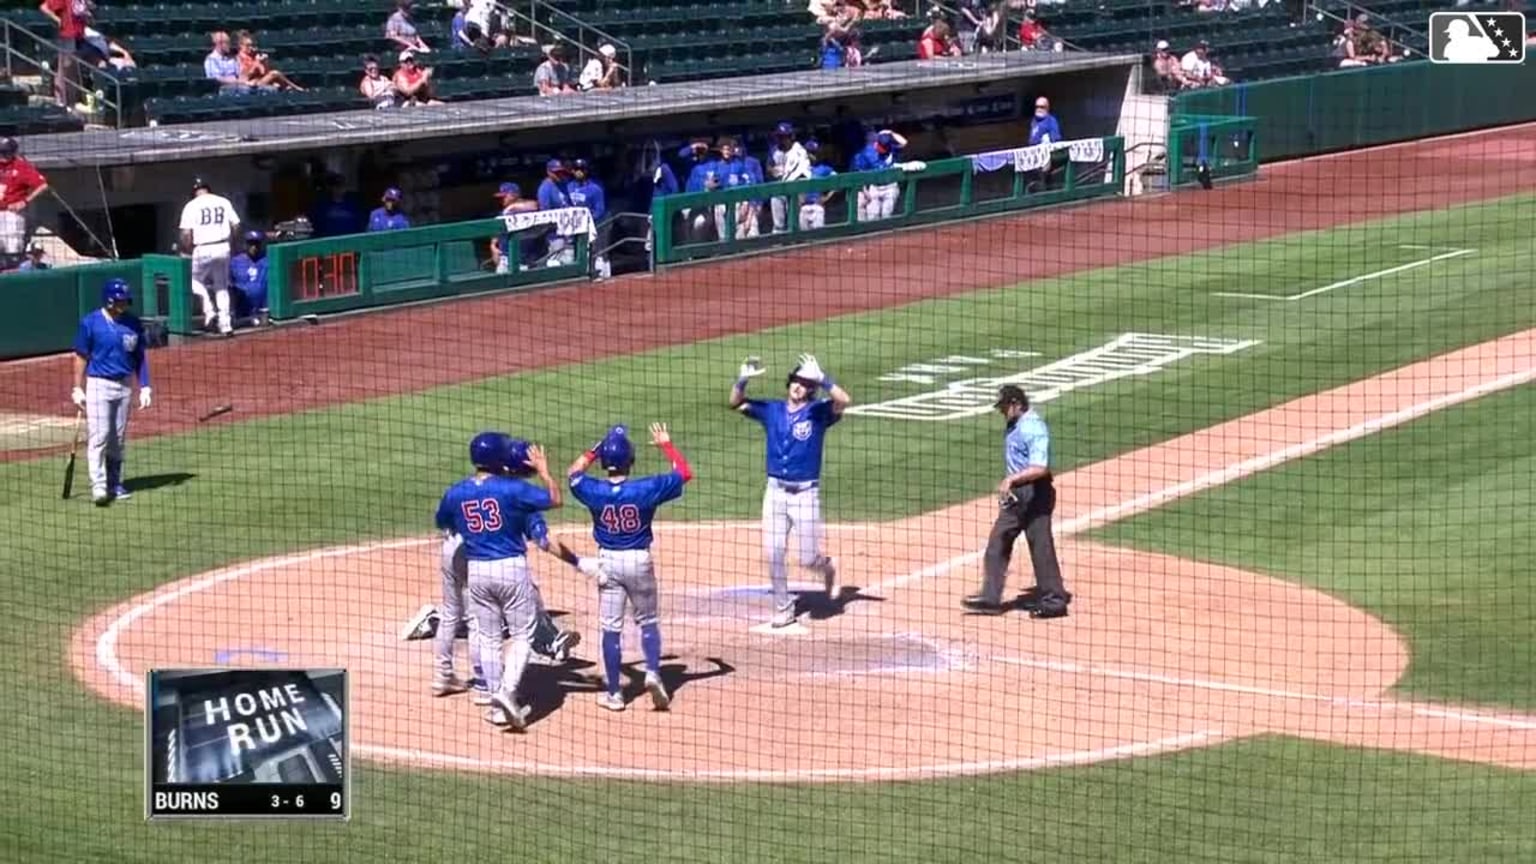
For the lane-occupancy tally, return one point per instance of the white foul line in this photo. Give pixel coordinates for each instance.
(1520, 722)
(1105, 515)
(1422, 262)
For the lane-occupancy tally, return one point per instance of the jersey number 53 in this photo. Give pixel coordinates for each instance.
(623, 519)
(481, 516)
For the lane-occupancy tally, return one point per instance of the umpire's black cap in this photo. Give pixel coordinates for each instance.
(200, 183)
(1011, 394)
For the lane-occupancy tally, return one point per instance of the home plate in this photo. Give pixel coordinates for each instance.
(767, 629)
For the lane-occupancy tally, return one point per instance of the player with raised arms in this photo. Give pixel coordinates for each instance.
(795, 429)
(623, 508)
(490, 509)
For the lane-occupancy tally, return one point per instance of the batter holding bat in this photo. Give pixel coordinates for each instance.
(109, 357)
(795, 429)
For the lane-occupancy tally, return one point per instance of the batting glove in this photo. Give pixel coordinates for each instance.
(145, 397)
(594, 568)
(77, 396)
(810, 369)
(752, 368)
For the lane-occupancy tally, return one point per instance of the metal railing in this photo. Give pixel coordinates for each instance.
(1011, 41)
(1392, 30)
(552, 23)
(16, 41)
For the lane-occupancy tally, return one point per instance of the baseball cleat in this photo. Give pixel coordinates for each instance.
(517, 716)
(611, 701)
(101, 499)
(121, 493)
(446, 684)
(829, 574)
(496, 717)
(561, 645)
(784, 617)
(480, 695)
(421, 625)
(982, 606)
(660, 698)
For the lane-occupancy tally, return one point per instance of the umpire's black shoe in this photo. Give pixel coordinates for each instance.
(1031, 600)
(982, 606)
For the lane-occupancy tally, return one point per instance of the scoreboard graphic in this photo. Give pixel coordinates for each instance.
(247, 743)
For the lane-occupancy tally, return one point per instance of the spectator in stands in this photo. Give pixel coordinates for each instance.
(937, 41)
(854, 54)
(413, 81)
(481, 27)
(972, 13)
(586, 192)
(104, 52)
(20, 184)
(377, 89)
(1034, 37)
(222, 67)
(35, 259)
(554, 74)
(831, 51)
(400, 29)
(1199, 69)
(1043, 127)
(602, 71)
(248, 278)
(71, 17)
(388, 215)
(337, 213)
(991, 34)
(255, 69)
(1170, 75)
(877, 10)
(824, 11)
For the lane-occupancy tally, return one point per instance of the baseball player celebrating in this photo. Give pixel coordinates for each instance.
(813, 205)
(490, 510)
(787, 161)
(795, 429)
(622, 511)
(878, 201)
(1027, 498)
(109, 355)
(208, 222)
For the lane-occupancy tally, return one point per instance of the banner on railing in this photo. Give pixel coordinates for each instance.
(1038, 157)
(567, 221)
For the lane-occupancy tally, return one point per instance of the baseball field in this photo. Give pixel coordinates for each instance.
(1292, 430)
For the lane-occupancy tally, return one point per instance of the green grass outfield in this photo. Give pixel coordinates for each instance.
(374, 470)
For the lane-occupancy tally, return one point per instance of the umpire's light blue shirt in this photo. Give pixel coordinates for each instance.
(1027, 443)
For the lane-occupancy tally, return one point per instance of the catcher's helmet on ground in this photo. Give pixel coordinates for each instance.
(489, 450)
(116, 290)
(616, 452)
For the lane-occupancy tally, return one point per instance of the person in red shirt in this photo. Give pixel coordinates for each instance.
(938, 41)
(20, 183)
(71, 16)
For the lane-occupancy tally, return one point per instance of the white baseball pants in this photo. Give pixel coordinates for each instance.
(812, 216)
(878, 202)
(210, 276)
(107, 406)
(630, 582)
(13, 232)
(791, 508)
(779, 207)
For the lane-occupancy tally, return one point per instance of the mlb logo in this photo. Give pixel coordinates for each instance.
(1482, 37)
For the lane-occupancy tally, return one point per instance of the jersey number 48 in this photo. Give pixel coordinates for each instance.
(481, 516)
(623, 519)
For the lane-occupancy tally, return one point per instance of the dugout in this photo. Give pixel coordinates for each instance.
(124, 188)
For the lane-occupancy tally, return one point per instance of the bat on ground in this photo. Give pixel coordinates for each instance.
(74, 452)
(218, 409)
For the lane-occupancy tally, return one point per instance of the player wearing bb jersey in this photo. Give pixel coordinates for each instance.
(795, 429)
(490, 510)
(623, 508)
(208, 222)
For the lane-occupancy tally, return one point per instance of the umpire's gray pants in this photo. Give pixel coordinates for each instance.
(629, 580)
(1028, 514)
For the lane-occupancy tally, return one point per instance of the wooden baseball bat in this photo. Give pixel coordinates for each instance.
(74, 450)
(218, 409)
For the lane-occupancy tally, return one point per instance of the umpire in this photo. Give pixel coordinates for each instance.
(1027, 500)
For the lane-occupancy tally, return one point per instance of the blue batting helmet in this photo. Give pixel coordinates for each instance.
(812, 146)
(784, 128)
(554, 166)
(517, 456)
(255, 235)
(392, 194)
(616, 452)
(116, 290)
(488, 450)
(581, 165)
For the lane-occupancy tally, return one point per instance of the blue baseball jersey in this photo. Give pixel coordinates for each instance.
(249, 276)
(622, 512)
(553, 195)
(794, 438)
(1042, 128)
(589, 194)
(700, 173)
(735, 172)
(112, 348)
(869, 159)
(383, 220)
(819, 171)
(491, 514)
(1027, 443)
(664, 181)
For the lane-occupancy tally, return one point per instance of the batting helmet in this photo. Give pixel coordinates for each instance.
(255, 235)
(200, 183)
(616, 452)
(517, 456)
(116, 291)
(784, 128)
(392, 194)
(488, 451)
